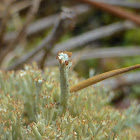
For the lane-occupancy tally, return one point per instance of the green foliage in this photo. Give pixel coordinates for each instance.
(131, 37)
(130, 60)
(29, 109)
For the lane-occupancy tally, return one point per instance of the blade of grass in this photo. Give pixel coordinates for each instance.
(101, 77)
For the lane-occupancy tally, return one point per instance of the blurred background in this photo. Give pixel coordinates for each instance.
(103, 35)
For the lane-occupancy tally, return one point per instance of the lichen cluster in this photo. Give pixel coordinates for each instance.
(29, 110)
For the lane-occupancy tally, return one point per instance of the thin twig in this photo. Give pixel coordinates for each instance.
(64, 24)
(75, 42)
(22, 32)
(48, 41)
(47, 22)
(128, 4)
(92, 35)
(99, 53)
(20, 5)
(101, 77)
(117, 11)
(4, 22)
(110, 52)
(17, 6)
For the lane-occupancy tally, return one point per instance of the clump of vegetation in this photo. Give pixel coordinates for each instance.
(30, 109)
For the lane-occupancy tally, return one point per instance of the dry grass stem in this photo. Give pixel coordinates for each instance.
(22, 32)
(117, 11)
(101, 77)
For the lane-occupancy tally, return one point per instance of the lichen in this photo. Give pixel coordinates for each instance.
(88, 114)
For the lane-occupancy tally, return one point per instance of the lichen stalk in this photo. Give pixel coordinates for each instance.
(38, 83)
(64, 84)
(64, 65)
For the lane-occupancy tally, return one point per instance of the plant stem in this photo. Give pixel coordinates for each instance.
(101, 77)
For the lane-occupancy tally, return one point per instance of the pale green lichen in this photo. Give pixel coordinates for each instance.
(64, 65)
(88, 115)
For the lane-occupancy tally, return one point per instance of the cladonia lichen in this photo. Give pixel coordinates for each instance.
(64, 65)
